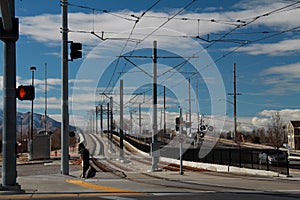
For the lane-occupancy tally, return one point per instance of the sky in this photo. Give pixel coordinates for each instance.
(197, 41)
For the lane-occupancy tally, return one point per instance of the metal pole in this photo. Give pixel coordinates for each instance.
(121, 121)
(101, 120)
(111, 122)
(180, 143)
(197, 97)
(65, 108)
(96, 120)
(161, 119)
(190, 108)
(92, 121)
(234, 102)
(155, 148)
(140, 119)
(31, 154)
(9, 172)
(131, 123)
(165, 110)
(21, 130)
(45, 119)
(108, 131)
(28, 127)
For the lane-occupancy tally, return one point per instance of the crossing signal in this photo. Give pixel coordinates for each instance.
(201, 134)
(203, 128)
(25, 92)
(76, 50)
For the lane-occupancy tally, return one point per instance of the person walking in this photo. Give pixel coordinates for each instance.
(85, 159)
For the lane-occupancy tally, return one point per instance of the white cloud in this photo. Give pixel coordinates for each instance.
(282, 79)
(285, 47)
(264, 117)
(36, 28)
(291, 71)
(43, 28)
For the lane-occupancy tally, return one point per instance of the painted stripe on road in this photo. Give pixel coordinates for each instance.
(76, 195)
(101, 187)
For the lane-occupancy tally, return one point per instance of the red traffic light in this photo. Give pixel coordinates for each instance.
(25, 92)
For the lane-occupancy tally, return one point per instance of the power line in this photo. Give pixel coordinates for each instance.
(169, 19)
(121, 16)
(118, 59)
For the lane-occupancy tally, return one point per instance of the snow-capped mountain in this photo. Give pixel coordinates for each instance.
(24, 122)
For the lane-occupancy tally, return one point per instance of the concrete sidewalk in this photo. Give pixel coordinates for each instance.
(56, 185)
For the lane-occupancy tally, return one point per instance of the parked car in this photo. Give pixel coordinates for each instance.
(272, 157)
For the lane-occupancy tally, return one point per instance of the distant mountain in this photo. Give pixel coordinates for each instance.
(24, 121)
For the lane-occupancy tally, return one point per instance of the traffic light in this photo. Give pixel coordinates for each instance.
(76, 50)
(25, 92)
(201, 134)
(177, 123)
(203, 128)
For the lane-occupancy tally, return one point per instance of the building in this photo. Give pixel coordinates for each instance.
(293, 132)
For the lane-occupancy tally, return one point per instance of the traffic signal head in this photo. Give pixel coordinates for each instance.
(201, 134)
(177, 119)
(76, 50)
(203, 128)
(25, 92)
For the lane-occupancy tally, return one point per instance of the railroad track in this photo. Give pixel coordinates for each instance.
(119, 168)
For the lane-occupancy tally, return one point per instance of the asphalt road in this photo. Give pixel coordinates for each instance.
(153, 185)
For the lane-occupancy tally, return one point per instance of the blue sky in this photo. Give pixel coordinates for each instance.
(261, 37)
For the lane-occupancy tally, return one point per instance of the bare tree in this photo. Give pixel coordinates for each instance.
(275, 133)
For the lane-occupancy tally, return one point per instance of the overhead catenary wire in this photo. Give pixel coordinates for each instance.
(118, 59)
(259, 39)
(169, 19)
(119, 15)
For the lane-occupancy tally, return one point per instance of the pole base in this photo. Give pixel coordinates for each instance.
(16, 189)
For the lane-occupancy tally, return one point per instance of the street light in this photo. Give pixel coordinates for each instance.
(32, 69)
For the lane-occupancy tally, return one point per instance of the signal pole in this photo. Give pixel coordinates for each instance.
(180, 142)
(9, 35)
(65, 108)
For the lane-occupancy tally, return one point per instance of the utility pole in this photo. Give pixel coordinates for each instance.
(108, 130)
(121, 122)
(197, 90)
(96, 120)
(234, 103)
(165, 110)
(65, 102)
(9, 34)
(190, 108)
(140, 119)
(131, 132)
(101, 120)
(161, 119)
(111, 121)
(154, 146)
